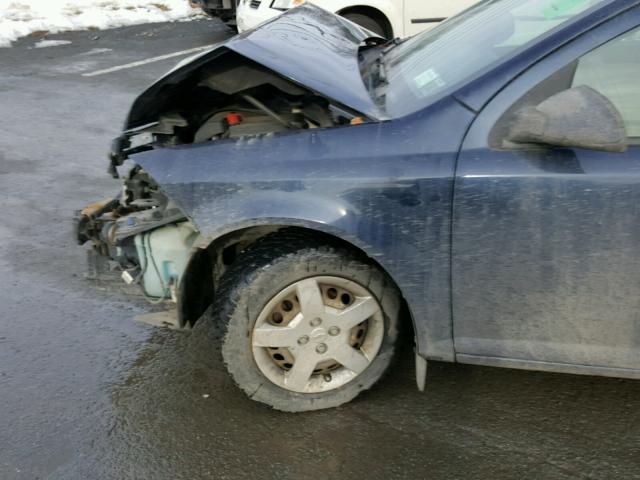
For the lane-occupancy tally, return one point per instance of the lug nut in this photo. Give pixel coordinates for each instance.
(322, 348)
(303, 340)
(315, 322)
(333, 331)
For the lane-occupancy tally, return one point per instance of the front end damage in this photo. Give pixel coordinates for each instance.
(234, 92)
(140, 233)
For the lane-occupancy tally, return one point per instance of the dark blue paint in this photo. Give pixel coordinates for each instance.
(545, 256)
(385, 187)
(316, 49)
(388, 188)
(546, 241)
(308, 45)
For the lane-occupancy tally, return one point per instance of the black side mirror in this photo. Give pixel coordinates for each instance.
(579, 117)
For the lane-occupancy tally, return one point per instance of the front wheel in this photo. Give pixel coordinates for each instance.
(306, 328)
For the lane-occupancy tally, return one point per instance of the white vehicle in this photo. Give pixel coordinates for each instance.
(388, 18)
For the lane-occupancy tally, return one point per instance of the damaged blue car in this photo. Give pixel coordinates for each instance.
(307, 188)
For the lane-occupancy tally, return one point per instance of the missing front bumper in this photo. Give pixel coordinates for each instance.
(149, 247)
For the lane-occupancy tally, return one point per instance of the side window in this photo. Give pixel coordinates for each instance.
(614, 70)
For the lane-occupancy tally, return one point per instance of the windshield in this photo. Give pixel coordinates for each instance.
(426, 67)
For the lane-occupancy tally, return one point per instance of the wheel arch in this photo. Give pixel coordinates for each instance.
(374, 13)
(212, 255)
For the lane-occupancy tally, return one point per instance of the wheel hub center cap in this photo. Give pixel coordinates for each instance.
(318, 335)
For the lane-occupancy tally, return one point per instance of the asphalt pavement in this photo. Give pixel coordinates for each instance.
(86, 392)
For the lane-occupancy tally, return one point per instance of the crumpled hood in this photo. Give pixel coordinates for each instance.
(308, 45)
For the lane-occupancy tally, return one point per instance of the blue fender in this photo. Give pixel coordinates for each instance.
(385, 188)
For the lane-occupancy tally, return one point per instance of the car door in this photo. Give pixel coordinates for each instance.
(546, 241)
(420, 15)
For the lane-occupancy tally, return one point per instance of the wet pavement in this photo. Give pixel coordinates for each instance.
(88, 393)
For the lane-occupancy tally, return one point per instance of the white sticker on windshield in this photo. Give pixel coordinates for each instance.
(428, 78)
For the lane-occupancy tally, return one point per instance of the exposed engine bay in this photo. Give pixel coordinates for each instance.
(141, 232)
(236, 98)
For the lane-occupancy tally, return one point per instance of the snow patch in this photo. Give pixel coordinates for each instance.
(51, 43)
(19, 18)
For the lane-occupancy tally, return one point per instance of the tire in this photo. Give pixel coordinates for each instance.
(272, 268)
(369, 23)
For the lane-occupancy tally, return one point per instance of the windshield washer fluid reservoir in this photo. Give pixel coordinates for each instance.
(164, 254)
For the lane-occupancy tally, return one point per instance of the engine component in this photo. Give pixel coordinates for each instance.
(234, 98)
(163, 254)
